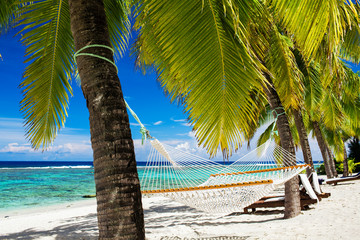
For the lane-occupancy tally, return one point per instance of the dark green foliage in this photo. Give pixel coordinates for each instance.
(354, 149)
(321, 170)
(338, 165)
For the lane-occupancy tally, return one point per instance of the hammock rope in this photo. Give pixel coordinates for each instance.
(213, 187)
(273, 131)
(205, 184)
(144, 132)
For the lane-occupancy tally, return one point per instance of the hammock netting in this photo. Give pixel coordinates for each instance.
(212, 187)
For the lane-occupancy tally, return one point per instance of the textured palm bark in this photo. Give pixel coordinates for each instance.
(120, 213)
(331, 161)
(345, 163)
(292, 194)
(304, 141)
(323, 149)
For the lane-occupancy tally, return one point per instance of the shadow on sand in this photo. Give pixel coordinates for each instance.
(85, 228)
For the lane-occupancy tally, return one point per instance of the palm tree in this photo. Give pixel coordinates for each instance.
(197, 68)
(50, 48)
(204, 80)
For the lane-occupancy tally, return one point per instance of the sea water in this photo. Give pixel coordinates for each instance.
(38, 183)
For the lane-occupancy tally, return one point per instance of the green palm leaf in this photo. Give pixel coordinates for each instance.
(202, 60)
(117, 13)
(266, 135)
(50, 50)
(313, 21)
(46, 85)
(335, 140)
(265, 116)
(332, 112)
(7, 13)
(281, 62)
(350, 48)
(350, 99)
(312, 83)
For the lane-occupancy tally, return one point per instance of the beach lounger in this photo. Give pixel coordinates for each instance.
(343, 179)
(307, 197)
(314, 180)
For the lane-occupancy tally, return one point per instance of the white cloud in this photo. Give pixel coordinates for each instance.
(191, 134)
(17, 148)
(185, 147)
(178, 120)
(186, 124)
(11, 122)
(158, 123)
(182, 134)
(73, 148)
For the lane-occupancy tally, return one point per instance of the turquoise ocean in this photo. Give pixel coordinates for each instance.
(39, 183)
(33, 184)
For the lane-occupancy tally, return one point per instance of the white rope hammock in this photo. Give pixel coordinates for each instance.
(213, 187)
(204, 184)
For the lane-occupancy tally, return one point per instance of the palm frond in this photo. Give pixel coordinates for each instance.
(312, 21)
(50, 47)
(8, 11)
(266, 135)
(117, 13)
(332, 112)
(265, 116)
(335, 140)
(281, 62)
(350, 48)
(350, 99)
(312, 83)
(46, 85)
(350, 86)
(202, 59)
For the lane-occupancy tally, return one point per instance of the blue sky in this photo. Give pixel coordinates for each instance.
(164, 120)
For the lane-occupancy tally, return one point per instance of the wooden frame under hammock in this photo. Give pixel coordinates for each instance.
(279, 201)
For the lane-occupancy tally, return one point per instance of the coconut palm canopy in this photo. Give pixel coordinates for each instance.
(164, 43)
(209, 55)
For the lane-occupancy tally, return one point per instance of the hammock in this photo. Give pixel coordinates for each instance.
(212, 187)
(206, 185)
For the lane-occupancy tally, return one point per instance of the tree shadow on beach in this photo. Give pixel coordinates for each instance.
(85, 228)
(158, 216)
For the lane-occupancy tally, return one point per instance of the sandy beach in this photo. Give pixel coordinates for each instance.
(335, 217)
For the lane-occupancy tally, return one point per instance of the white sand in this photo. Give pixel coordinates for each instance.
(336, 217)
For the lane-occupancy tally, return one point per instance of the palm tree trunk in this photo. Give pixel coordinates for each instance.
(304, 142)
(120, 213)
(331, 161)
(323, 149)
(345, 163)
(292, 194)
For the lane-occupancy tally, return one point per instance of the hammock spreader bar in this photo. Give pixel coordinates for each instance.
(220, 186)
(259, 171)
